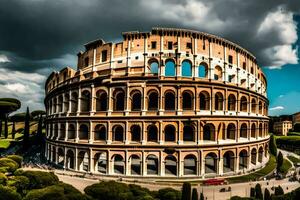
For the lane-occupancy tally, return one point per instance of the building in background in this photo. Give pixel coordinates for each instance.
(283, 127)
(296, 118)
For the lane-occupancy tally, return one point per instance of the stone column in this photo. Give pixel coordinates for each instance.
(144, 164)
(161, 165)
(180, 165)
(127, 103)
(179, 100)
(67, 131)
(144, 108)
(91, 133)
(76, 159)
(144, 131)
(91, 161)
(76, 132)
(126, 133)
(161, 100)
(79, 102)
(110, 101)
(109, 134)
(160, 133)
(92, 109)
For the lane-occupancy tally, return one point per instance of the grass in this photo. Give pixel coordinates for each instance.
(270, 166)
(294, 159)
(293, 134)
(285, 166)
(4, 144)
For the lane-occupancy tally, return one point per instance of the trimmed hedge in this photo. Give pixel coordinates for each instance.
(18, 159)
(169, 194)
(8, 193)
(8, 165)
(3, 179)
(21, 183)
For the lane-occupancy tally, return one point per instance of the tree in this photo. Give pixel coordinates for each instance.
(194, 194)
(13, 131)
(267, 195)
(278, 191)
(40, 129)
(186, 191)
(201, 196)
(252, 192)
(26, 129)
(272, 146)
(258, 192)
(37, 114)
(279, 161)
(19, 117)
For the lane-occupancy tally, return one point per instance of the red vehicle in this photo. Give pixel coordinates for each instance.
(214, 181)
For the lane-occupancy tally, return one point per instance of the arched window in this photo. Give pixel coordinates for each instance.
(204, 100)
(153, 100)
(119, 100)
(170, 68)
(211, 163)
(231, 102)
(169, 100)
(136, 133)
(231, 131)
(152, 133)
(83, 132)
(253, 156)
(153, 67)
(253, 106)
(218, 73)
(202, 70)
(190, 165)
(152, 165)
(243, 130)
(100, 132)
(119, 164)
(228, 161)
(85, 101)
(118, 133)
(260, 130)
(135, 165)
(260, 154)
(170, 133)
(186, 68)
(66, 103)
(253, 130)
(188, 133)
(101, 101)
(136, 101)
(218, 101)
(62, 132)
(243, 157)
(170, 165)
(74, 102)
(70, 159)
(101, 162)
(209, 132)
(243, 104)
(260, 108)
(187, 100)
(60, 103)
(71, 132)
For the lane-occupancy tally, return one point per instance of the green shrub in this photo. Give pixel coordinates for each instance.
(258, 191)
(272, 145)
(9, 164)
(169, 194)
(3, 179)
(278, 190)
(39, 179)
(186, 191)
(241, 198)
(7, 193)
(18, 159)
(139, 191)
(21, 183)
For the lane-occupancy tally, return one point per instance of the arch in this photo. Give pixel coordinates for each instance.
(219, 101)
(118, 164)
(152, 133)
(203, 70)
(60, 103)
(119, 100)
(186, 67)
(169, 100)
(187, 100)
(153, 64)
(83, 161)
(260, 130)
(60, 157)
(243, 131)
(253, 130)
(243, 157)
(190, 165)
(136, 101)
(170, 68)
(188, 133)
(135, 133)
(74, 102)
(211, 163)
(260, 108)
(118, 133)
(260, 154)
(231, 102)
(71, 131)
(66, 102)
(243, 104)
(253, 156)
(266, 150)
(70, 159)
(56, 131)
(230, 134)
(85, 101)
(135, 165)
(101, 162)
(53, 154)
(253, 105)
(218, 73)
(100, 132)
(171, 165)
(83, 132)
(170, 133)
(228, 162)
(153, 100)
(62, 132)
(204, 100)
(152, 165)
(209, 132)
(101, 100)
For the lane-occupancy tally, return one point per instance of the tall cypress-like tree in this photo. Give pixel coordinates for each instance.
(267, 195)
(279, 161)
(278, 191)
(40, 129)
(258, 192)
(252, 192)
(6, 127)
(195, 194)
(272, 145)
(186, 191)
(26, 129)
(0, 126)
(201, 196)
(13, 130)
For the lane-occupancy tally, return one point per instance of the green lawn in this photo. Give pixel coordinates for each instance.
(4, 143)
(270, 166)
(294, 159)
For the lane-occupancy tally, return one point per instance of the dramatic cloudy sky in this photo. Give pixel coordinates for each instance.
(39, 36)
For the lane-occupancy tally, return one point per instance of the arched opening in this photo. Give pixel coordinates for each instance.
(118, 133)
(101, 100)
(62, 132)
(243, 156)
(243, 104)
(209, 132)
(135, 165)
(153, 100)
(56, 131)
(136, 99)
(152, 165)
(218, 73)
(83, 132)
(253, 156)
(85, 101)
(100, 132)
(202, 70)
(266, 150)
(231, 102)
(71, 132)
(66, 103)
(260, 130)
(119, 100)
(101, 162)
(253, 106)
(188, 133)
(260, 154)
(204, 100)
(54, 105)
(243, 131)
(83, 161)
(119, 164)
(170, 68)
(231, 131)
(74, 102)
(53, 154)
(70, 159)
(187, 100)
(170, 165)
(190, 165)
(169, 100)
(228, 162)
(260, 108)
(152, 133)
(170, 133)
(135, 133)
(60, 103)
(60, 155)
(186, 68)
(219, 101)
(253, 130)
(153, 66)
(211, 163)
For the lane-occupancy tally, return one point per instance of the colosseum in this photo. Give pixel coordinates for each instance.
(165, 103)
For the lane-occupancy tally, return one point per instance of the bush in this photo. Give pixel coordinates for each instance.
(258, 191)
(279, 161)
(267, 195)
(3, 179)
(241, 198)
(195, 194)
(17, 159)
(8, 193)
(8, 164)
(21, 183)
(186, 191)
(169, 194)
(272, 146)
(39, 179)
(278, 191)
(297, 127)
